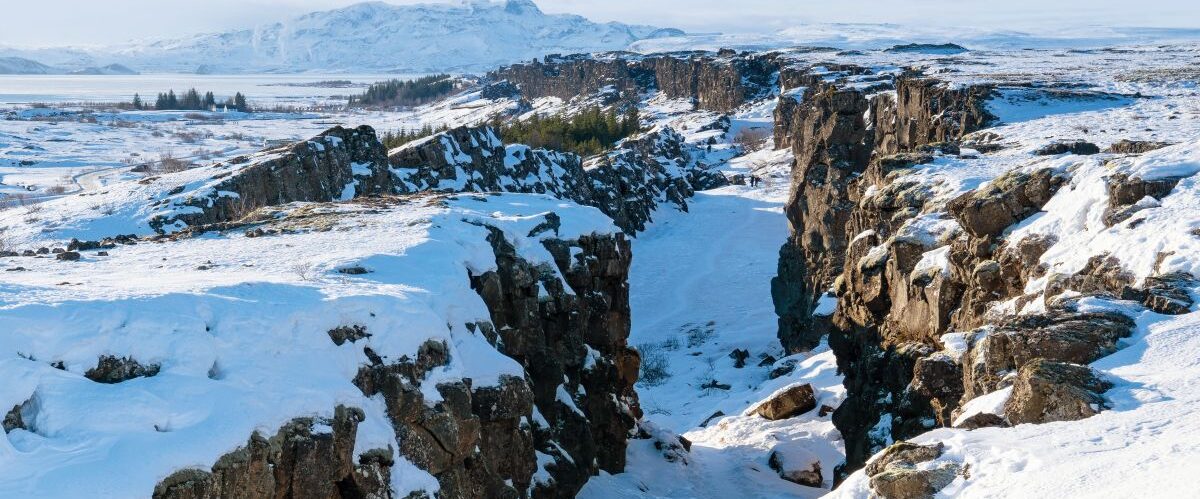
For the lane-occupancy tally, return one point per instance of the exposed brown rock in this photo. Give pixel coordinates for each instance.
(1045, 391)
(297, 462)
(1126, 146)
(894, 474)
(793, 401)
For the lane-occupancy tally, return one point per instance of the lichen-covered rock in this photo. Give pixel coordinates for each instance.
(1045, 391)
(1004, 201)
(790, 402)
(894, 473)
(926, 110)
(1166, 294)
(1058, 335)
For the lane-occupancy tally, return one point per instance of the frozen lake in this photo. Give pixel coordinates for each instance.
(263, 89)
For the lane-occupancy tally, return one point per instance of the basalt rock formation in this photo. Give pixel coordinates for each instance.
(718, 82)
(338, 164)
(573, 346)
(627, 184)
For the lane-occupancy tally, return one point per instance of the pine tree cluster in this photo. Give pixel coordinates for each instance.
(405, 93)
(590, 132)
(394, 139)
(193, 101)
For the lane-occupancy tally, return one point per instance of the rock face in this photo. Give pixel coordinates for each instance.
(475, 160)
(717, 82)
(573, 347)
(336, 165)
(627, 184)
(298, 462)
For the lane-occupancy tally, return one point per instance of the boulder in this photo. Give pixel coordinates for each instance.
(1079, 147)
(796, 464)
(791, 401)
(111, 369)
(894, 473)
(1045, 391)
(68, 256)
(1126, 146)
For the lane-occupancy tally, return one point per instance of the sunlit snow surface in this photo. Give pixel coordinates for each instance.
(699, 289)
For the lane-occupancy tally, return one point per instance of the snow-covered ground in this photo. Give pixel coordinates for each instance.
(239, 327)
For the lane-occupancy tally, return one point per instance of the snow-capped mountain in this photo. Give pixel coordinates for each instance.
(370, 37)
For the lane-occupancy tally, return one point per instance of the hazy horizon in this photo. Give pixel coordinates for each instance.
(85, 22)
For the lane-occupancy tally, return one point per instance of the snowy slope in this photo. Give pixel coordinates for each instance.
(239, 326)
(475, 35)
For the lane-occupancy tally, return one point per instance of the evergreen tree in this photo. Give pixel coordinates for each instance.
(137, 101)
(172, 100)
(209, 101)
(239, 103)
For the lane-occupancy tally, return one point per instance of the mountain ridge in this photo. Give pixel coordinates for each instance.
(364, 37)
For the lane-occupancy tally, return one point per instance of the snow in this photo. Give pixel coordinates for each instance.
(376, 37)
(992, 403)
(243, 344)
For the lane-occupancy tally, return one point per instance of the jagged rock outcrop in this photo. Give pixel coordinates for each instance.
(631, 182)
(300, 461)
(468, 159)
(927, 110)
(718, 82)
(338, 164)
(1126, 146)
(848, 214)
(832, 146)
(627, 184)
(1080, 147)
(1127, 196)
(570, 335)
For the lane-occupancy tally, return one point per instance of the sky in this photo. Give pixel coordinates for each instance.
(102, 22)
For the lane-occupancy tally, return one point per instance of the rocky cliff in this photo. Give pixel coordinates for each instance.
(628, 183)
(718, 82)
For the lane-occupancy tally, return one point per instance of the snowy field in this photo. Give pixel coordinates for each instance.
(699, 288)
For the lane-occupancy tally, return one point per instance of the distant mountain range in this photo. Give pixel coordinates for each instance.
(472, 35)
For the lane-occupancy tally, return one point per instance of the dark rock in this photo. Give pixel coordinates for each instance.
(111, 369)
(715, 385)
(1168, 294)
(715, 415)
(340, 335)
(784, 369)
(1045, 391)
(1125, 146)
(296, 462)
(1079, 147)
(739, 357)
(982, 420)
(825, 411)
(318, 169)
(1005, 201)
(1127, 196)
(355, 270)
(939, 378)
(793, 401)
(928, 48)
(766, 361)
